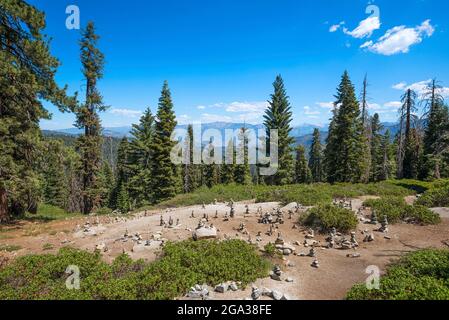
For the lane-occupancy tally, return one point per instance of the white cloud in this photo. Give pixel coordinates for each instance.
(183, 119)
(400, 86)
(335, 27)
(207, 117)
(308, 111)
(327, 105)
(421, 87)
(393, 104)
(201, 107)
(126, 112)
(365, 28)
(257, 107)
(399, 39)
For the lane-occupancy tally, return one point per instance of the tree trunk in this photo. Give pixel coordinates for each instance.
(4, 215)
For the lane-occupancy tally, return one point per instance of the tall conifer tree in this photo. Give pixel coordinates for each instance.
(302, 170)
(27, 72)
(316, 158)
(346, 145)
(164, 171)
(88, 119)
(279, 117)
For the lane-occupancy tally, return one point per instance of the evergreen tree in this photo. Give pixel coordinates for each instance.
(27, 72)
(54, 188)
(228, 166)
(377, 153)
(279, 117)
(210, 168)
(387, 155)
(106, 183)
(164, 172)
(89, 144)
(367, 131)
(188, 169)
(302, 170)
(346, 144)
(242, 174)
(123, 172)
(411, 143)
(140, 160)
(437, 120)
(316, 158)
(123, 203)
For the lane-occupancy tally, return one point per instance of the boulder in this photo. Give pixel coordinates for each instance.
(221, 288)
(205, 233)
(276, 295)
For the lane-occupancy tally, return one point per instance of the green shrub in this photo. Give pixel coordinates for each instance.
(393, 208)
(181, 266)
(326, 217)
(437, 197)
(397, 210)
(271, 251)
(422, 275)
(103, 211)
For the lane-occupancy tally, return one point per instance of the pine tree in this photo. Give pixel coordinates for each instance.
(367, 131)
(346, 144)
(106, 183)
(302, 170)
(140, 159)
(242, 174)
(27, 72)
(123, 203)
(164, 172)
(123, 174)
(89, 144)
(210, 168)
(228, 166)
(188, 170)
(55, 188)
(279, 117)
(377, 154)
(411, 144)
(386, 151)
(437, 120)
(316, 158)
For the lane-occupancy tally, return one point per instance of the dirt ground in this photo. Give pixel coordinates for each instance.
(335, 276)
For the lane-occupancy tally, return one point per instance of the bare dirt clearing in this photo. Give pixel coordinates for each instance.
(144, 234)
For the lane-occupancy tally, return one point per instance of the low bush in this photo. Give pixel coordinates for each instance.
(326, 217)
(181, 266)
(397, 210)
(437, 197)
(422, 275)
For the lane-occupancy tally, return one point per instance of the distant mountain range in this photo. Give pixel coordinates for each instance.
(120, 132)
(303, 134)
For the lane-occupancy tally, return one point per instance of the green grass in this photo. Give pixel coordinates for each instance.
(325, 217)
(422, 275)
(397, 210)
(47, 246)
(308, 195)
(48, 212)
(181, 266)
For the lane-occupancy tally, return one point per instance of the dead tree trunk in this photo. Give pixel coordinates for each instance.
(4, 215)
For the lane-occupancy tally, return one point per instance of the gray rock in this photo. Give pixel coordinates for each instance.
(255, 293)
(276, 295)
(204, 233)
(285, 297)
(221, 288)
(289, 280)
(233, 286)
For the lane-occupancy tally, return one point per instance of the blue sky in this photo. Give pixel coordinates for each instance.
(221, 57)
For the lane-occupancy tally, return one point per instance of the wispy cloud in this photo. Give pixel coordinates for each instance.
(327, 105)
(399, 39)
(126, 112)
(335, 27)
(309, 112)
(420, 87)
(365, 28)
